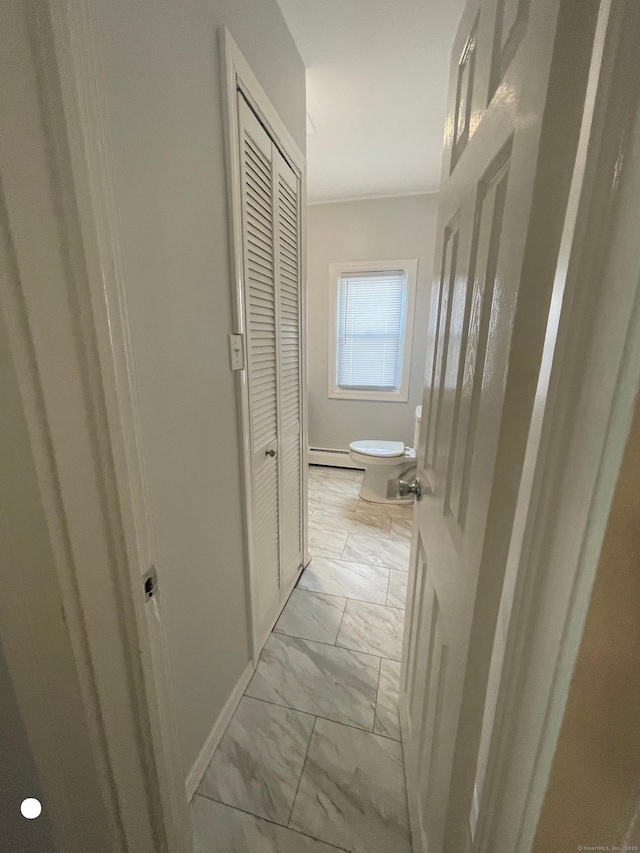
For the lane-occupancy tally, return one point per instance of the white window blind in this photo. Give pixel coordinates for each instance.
(371, 320)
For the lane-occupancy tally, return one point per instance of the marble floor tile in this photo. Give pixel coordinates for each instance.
(372, 628)
(352, 791)
(355, 474)
(311, 616)
(313, 503)
(397, 593)
(387, 722)
(258, 763)
(338, 684)
(401, 529)
(332, 519)
(327, 543)
(221, 829)
(340, 486)
(401, 511)
(332, 502)
(351, 580)
(377, 552)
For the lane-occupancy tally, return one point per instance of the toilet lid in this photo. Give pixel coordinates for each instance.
(378, 448)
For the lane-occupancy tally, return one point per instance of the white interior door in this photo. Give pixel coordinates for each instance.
(258, 226)
(287, 194)
(512, 130)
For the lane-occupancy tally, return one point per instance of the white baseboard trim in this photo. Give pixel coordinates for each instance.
(335, 458)
(270, 626)
(206, 753)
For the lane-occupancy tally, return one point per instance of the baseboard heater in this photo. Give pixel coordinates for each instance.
(330, 456)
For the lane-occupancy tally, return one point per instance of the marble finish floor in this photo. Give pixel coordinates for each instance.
(312, 761)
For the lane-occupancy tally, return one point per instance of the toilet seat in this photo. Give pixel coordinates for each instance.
(384, 449)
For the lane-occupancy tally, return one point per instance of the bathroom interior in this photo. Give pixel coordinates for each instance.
(237, 242)
(312, 758)
(366, 361)
(335, 651)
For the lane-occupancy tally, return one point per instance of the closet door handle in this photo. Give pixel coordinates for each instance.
(271, 453)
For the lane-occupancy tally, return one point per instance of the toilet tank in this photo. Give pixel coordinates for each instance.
(416, 432)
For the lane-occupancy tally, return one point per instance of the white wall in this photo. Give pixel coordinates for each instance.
(371, 230)
(163, 82)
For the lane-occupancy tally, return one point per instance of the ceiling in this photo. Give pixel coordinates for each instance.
(377, 76)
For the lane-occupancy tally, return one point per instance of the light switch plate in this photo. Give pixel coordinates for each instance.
(236, 352)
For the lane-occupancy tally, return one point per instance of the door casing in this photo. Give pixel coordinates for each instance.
(56, 172)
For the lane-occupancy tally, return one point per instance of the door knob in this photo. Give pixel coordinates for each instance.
(271, 453)
(406, 489)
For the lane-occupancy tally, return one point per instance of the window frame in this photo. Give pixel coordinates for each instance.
(401, 394)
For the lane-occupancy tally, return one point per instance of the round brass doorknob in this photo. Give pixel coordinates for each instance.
(271, 453)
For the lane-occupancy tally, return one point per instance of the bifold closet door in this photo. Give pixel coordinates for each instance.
(287, 195)
(260, 299)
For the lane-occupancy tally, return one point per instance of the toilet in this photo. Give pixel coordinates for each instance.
(384, 463)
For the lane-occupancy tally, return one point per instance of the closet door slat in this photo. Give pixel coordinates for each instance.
(288, 280)
(260, 296)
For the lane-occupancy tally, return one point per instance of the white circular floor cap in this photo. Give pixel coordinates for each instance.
(31, 808)
(370, 447)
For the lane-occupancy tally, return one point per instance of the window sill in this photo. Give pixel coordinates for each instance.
(400, 396)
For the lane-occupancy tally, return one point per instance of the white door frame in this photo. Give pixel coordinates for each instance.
(586, 393)
(85, 439)
(238, 77)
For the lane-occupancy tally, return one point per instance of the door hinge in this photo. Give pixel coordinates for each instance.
(150, 581)
(236, 352)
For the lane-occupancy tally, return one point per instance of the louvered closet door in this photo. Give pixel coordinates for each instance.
(287, 195)
(258, 222)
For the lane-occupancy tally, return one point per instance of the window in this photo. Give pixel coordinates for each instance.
(372, 308)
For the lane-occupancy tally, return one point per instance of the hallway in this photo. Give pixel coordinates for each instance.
(311, 761)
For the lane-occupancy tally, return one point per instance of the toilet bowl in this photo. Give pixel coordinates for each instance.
(384, 463)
